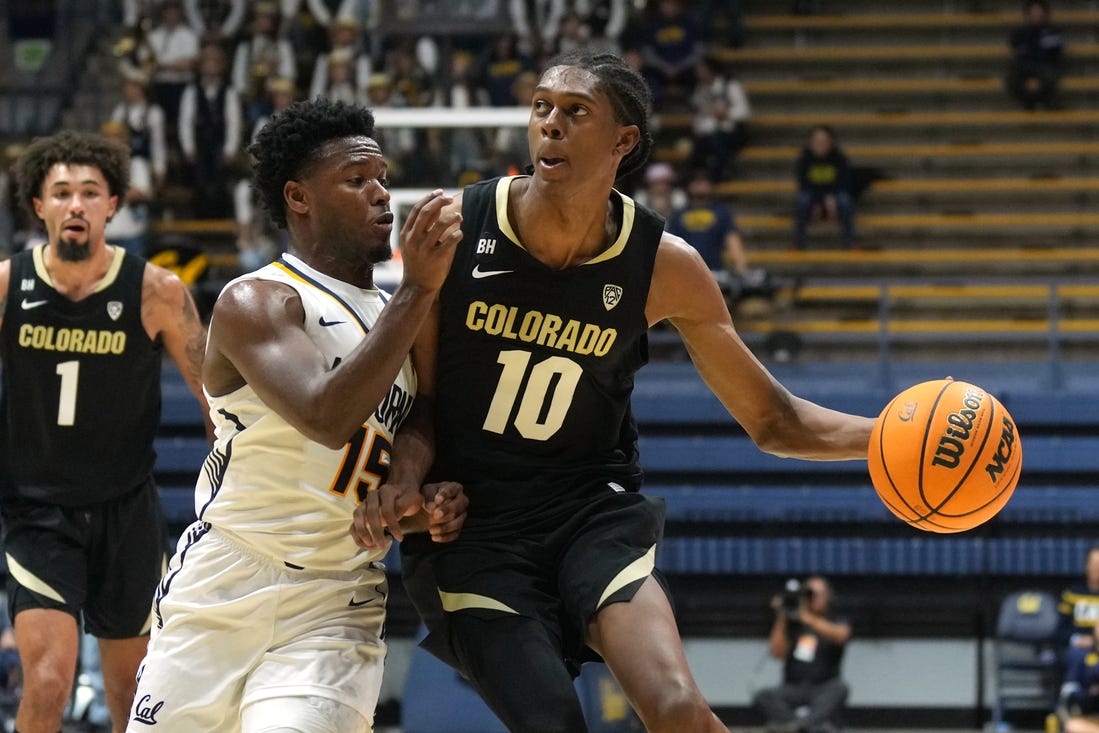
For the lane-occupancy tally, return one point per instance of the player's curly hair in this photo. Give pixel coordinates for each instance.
(629, 95)
(291, 142)
(111, 157)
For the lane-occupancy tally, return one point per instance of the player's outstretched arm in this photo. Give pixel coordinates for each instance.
(257, 336)
(168, 312)
(684, 292)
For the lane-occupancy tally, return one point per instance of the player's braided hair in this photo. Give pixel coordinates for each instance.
(629, 96)
(111, 157)
(292, 141)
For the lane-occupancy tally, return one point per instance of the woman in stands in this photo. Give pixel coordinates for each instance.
(1080, 694)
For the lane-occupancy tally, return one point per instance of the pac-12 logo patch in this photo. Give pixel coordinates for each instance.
(611, 295)
(114, 309)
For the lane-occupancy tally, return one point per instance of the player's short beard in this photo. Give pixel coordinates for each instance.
(71, 252)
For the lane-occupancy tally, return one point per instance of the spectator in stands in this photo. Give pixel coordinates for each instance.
(811, 638)
(410, 78)
(572, 34)
(134, 12)
(672, 45)
(724, 21)
(824, 187)
(129, 227)
(660, 192)
(1078, 706)
(709, 226)
(605, 21)
(466, 148)
(339, 78)
(217, 21)
(258, 240)
(132, 49)
(399, 143)
(260, 56)
(175, 46)
(719, 123)
(1037, 50)
(501, 67)
(536, 23)
(1079, 609)
(347, 45)
(145, 124)
(210, 124)
(511, 149)
(309, 24)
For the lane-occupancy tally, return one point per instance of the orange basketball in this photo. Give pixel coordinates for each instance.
(945, 456)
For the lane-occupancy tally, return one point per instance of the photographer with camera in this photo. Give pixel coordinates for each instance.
(811, 640)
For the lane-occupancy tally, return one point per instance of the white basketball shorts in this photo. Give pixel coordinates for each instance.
(232, 628)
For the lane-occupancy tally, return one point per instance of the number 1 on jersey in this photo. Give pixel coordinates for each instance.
(546, 399)
(69, 372)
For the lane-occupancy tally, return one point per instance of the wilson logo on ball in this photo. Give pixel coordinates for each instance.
(951, 448)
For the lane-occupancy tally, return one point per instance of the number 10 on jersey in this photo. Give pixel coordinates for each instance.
(544, 393)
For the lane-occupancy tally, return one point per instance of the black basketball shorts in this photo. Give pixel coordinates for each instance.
(104, 560)
(566, 566)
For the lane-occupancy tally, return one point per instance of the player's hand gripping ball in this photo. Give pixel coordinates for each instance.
(945, 456)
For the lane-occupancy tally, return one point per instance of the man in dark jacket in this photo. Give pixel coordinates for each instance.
(1037, 50)
(824, 187)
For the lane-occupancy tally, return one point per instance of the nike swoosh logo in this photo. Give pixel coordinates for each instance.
(355, 604)
(479, 273)
(28, 304)
(326, 324)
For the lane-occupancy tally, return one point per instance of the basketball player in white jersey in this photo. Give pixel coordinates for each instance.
(270, 617)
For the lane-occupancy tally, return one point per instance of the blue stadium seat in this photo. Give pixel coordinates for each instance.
(178, 407)
(180, 454)
(892, 556)
(822, 503)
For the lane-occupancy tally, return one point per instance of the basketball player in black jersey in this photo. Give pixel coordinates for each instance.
(83, 329)
(541, 326)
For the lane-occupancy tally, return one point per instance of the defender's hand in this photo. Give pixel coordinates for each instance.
(428, 238)
(381, 510)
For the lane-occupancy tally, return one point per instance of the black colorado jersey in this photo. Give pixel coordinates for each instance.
(81, 386)
(536, 365)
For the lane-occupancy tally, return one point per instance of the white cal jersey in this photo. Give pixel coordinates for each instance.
(275, 490)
